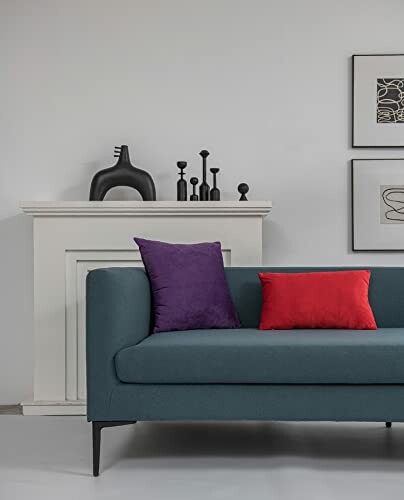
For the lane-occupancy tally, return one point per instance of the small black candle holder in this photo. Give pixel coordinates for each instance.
(182, 183)
(214, 192)
(194, 182)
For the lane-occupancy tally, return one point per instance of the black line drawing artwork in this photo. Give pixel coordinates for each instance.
(392, 204)
(390, 100)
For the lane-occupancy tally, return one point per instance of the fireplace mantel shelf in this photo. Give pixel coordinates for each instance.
(144, 208)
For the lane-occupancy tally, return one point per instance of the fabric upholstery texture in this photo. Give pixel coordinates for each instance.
(118, 316)
(369, 403)
(266, 357)
(189, 286)
(316, 300)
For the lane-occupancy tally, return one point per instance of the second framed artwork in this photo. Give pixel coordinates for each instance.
(378, 205)
(378, 101)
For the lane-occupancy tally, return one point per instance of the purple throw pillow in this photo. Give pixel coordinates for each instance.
(189, 286)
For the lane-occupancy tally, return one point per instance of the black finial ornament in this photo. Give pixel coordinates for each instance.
(204, 186)
(243, 190)
(194, 182)
(123, 173)
(182, 183)
(214, 192)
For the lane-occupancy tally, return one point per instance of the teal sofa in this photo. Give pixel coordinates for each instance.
(242, 374)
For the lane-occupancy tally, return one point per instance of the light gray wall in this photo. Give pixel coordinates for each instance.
(263, 84)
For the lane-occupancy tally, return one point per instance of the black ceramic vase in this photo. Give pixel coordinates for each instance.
(122, 174)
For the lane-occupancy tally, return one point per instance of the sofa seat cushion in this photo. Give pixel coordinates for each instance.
(249, 356)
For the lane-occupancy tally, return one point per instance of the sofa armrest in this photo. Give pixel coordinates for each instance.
(118, 308)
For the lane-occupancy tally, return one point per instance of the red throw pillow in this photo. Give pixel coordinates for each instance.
(316, 300)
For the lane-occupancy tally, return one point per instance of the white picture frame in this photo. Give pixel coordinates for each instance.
(378, 101)
(377, 204)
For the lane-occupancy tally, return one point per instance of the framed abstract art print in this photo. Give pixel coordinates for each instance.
(378, 101)
(378, 205)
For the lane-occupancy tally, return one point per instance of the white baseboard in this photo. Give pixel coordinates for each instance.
(54, 408)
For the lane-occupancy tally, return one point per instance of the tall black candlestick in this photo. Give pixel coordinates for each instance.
(204, 186)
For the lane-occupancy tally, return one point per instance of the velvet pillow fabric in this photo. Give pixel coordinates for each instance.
(316, 300)
(189, 286)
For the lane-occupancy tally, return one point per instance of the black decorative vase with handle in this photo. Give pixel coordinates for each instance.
(123, 173)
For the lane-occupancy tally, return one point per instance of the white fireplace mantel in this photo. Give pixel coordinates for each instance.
(72, 238)
(145, 208)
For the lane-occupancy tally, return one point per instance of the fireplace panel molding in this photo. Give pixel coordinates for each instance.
(72, 238)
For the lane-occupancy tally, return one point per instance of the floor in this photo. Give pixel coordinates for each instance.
(10, 410)
(50, 458)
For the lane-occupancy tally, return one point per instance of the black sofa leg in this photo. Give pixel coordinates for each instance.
(97, 427)
(388, 425)
(96, 448)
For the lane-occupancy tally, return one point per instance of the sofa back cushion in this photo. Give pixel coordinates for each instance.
(386, 292)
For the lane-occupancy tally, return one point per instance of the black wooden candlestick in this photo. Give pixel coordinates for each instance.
(214, 192)
(204, 186)
(182, 183)
(194, 182)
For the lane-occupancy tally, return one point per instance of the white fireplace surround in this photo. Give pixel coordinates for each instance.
(71, 238)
